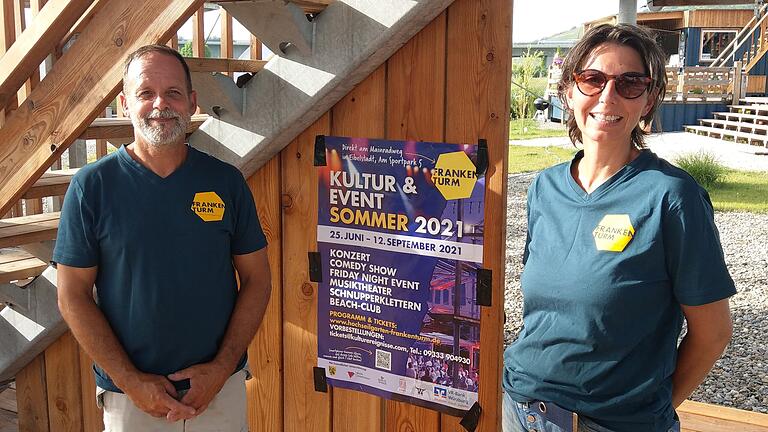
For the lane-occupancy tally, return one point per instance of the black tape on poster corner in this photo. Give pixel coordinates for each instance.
(482, 156)
(315, 267)
(484, 291)
(320, 150)
(472, 417)
(321, 382)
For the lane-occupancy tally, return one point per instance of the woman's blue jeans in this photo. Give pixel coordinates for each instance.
(516, 418)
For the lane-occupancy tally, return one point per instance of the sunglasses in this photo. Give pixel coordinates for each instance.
(629, 85)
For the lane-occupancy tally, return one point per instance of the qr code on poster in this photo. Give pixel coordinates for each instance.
(384, 360)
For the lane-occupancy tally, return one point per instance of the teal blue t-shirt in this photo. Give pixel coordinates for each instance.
(163, 246)
(605, 275)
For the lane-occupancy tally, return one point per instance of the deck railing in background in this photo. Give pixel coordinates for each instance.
(704, 84)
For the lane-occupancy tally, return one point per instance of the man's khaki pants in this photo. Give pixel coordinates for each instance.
(225, 413)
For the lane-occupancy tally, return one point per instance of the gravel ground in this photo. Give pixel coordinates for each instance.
(740, 378)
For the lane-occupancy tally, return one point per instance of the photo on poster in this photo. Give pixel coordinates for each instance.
(400, 236)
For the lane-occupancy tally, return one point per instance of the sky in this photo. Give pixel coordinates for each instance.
(534, 19)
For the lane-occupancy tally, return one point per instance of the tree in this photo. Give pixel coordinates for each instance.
(186, 50)
(530, 65)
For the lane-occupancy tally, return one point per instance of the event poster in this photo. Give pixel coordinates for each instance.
(400, 237)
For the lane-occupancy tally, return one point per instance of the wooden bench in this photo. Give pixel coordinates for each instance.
(701, 417)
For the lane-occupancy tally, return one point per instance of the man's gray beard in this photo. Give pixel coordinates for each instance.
(156, 135)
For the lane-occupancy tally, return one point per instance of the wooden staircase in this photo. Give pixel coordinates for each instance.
(746, 122)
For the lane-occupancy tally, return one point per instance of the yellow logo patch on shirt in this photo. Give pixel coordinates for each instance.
(208, 206)
(613, 233)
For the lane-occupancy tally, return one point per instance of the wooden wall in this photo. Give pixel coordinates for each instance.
(449, 83)
(710, 18)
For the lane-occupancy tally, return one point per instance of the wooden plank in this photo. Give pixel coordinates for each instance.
(478, 65)
(309, 6)
(32, 397)
(52, 183)
(7, 38)
(359, 114)
(415, 111)
(28, 229)
(229, 65)
(8, 399)
(122, 128)
(198, 33)
(265, 353)
(713, 424)
(725, 413)
(255, 49)
(305, 409)
(92, 414)
(19, 265)
(40, 38)
(78, 87)
(719, 18)
(65, 402)
(79, 26)
(225, 39)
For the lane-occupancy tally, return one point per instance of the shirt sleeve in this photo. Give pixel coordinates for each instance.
(248, 236)
(694, 256)
(76, 241)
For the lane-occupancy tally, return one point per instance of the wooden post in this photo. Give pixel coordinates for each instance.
(32, 396)
(359, 113)
(225, 40)
(255, 49)
(7, 37)
(478, 64)
(305, 409)
(738, 87)
(198, 33)
(265, 354)
(416, 111)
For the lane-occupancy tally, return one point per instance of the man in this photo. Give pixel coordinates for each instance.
(159, 228)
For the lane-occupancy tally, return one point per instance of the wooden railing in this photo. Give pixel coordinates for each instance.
(99, 141)
(704, 84)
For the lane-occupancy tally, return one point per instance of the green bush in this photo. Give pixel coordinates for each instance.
(702, 166)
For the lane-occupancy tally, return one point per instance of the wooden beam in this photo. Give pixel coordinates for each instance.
(40, 38)
(226, 48)
(700, 2)
(309, 6)
(18, 265)
(121, 128)
(7, 37)
(52, 183)
(28, 229)
(198, 33)
(224, 65)
(78, 87)
(84, 20)
(32, 397)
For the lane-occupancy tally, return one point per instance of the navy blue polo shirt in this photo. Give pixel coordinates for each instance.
(163, 246)
(605, 275)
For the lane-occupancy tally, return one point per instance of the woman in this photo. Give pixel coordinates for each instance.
(621, 245)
